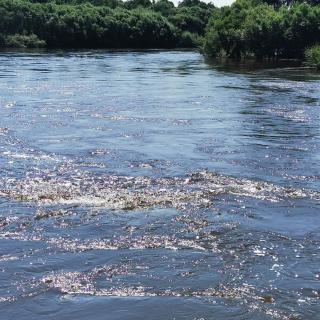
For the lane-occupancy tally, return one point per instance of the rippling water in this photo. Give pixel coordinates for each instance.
(155, 185)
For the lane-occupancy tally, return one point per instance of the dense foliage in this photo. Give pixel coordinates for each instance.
(102, 23)
(264, 29)
(313, 56)
(258, 28)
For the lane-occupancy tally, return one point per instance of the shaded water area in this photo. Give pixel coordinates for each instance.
(156, 185)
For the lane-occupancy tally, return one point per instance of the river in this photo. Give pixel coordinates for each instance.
(157, 185)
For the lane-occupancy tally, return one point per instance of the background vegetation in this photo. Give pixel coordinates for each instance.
(313, 57)
(247, 28)
(264, 29)
(103, 23)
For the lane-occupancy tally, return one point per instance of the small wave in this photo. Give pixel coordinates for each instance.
(86, 284)
(293, 115)
(7, 299)
(132, 193)
(8, 257)
(29, 156)
(3, 131)
(137, 243)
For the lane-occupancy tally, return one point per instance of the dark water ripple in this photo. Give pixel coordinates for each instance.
(156, 185)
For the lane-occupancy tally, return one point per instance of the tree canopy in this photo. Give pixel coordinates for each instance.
(258, 28)
(263, 29)
(103, 23)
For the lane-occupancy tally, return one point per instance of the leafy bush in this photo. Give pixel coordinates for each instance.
(24, 41)
(312, 56)
(190, 40)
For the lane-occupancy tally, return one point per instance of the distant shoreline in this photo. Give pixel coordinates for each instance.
(263, 29)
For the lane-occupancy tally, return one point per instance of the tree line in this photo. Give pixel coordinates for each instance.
(264, 29)
(247, 28)
(103, 23)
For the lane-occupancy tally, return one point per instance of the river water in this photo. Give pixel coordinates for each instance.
(157, 185)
